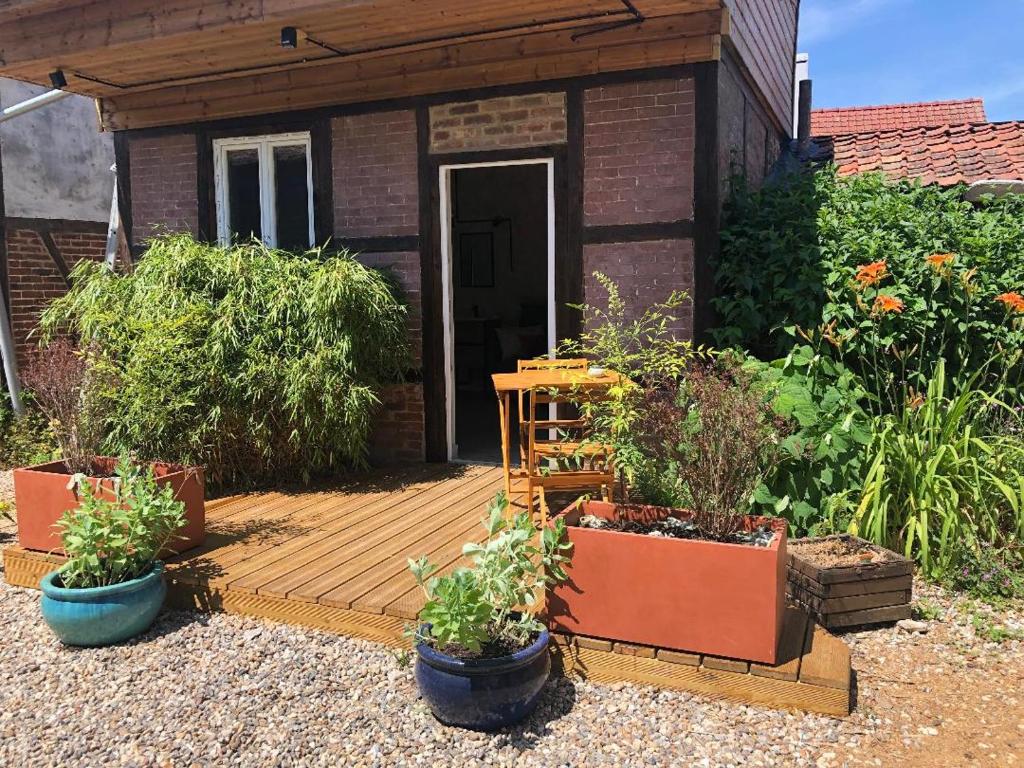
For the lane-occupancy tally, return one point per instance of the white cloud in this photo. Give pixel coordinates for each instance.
(824, 19)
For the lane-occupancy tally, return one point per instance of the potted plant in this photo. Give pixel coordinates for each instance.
(705, 579)
(111, 587)
(481, 654)
(68, 386)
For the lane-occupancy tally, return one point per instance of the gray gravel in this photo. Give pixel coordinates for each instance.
(223, 690)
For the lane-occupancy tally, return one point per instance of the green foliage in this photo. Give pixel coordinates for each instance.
(989, 573)
(116, 534)
(791, 256)
(258, 364)
(489, 603)
(28, 440)
(938, 478)
(814, 484)
(646, 349)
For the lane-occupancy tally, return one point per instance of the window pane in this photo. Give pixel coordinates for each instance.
(245, 219)
(292, 198)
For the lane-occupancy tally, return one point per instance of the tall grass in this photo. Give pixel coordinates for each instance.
(256, 363)
(945, 473)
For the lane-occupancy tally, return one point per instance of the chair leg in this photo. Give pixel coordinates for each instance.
(543, 507)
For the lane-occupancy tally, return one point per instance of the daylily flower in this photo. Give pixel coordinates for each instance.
(938, 261)
(871, 274)
(1013, 301)
(885, 304)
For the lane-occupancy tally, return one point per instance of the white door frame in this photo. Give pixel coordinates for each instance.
(447, 288)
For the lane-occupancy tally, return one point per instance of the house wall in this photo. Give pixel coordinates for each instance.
(626, 157)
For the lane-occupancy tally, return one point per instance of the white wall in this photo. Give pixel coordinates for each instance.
(56, 163)
(803, 72)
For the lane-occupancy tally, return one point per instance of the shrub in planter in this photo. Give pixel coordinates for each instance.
(69, 386)
(709, 579)
(111, 587)
(482, 656)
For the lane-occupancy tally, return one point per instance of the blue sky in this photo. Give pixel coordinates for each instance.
(884, 51)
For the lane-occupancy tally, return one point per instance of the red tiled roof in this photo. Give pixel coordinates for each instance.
(944, 155)
(890, 117)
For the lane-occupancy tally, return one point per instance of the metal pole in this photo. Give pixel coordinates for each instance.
(115, 224)
(10, 360)
(9, 113)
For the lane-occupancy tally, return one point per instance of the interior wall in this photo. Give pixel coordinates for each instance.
(516, 193)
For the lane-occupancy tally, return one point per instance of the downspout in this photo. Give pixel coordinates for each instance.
(7, 351)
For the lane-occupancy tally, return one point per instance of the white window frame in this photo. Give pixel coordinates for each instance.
(264, 146)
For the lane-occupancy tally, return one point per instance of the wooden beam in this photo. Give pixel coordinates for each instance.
(55, 255)
(520, 59)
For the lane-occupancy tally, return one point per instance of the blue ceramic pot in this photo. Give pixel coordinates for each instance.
(103, 615)
(483, 694)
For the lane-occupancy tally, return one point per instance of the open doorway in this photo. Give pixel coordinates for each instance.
(498, 239)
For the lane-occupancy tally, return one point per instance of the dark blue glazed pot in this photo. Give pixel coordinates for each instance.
(103, 615)
(483, 694)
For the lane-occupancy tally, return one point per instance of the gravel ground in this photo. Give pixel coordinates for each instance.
(224, 690)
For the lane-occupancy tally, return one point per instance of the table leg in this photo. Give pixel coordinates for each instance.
(503, 416)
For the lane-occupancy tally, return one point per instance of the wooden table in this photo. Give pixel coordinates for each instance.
(557, 379)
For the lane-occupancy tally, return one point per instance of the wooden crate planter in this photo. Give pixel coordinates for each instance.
(873, 592)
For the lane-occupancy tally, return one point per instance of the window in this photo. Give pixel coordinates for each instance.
(264, 188)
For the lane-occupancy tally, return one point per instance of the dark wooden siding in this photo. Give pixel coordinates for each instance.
(763, 33)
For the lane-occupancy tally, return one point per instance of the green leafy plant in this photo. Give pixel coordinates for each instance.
(258, 364)
(938, 479)
(118, 531)
(988, 572)
(485, 609)
(27, 440)
(645, 345)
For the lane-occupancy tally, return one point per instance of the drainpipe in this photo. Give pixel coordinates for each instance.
(7, 352)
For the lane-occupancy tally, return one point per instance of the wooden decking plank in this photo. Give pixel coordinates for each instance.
(369, 582)
(791, 646)
(306, 511)
(371, 512)
(299, 561)
(370, 551)
(826, 660)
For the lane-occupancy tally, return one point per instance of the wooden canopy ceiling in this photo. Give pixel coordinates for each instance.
(154, 62)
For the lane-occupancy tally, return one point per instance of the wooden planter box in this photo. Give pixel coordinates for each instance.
(851, 595)
(697, 596)
(42, 496)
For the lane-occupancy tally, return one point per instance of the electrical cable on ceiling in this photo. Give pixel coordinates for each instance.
(636, 17)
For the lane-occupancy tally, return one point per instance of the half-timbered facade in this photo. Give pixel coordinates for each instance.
(493, 154)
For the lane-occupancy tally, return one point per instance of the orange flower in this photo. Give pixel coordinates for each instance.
(871, 274)
(939, 260)
(885, 304)
(916, 401)
(1013, 301)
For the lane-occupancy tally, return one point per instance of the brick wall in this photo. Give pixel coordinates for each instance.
(645, 272)
(512, 121)
(375, 174)
(638, 152)
(398, 426)
(35, 280)
(164, 185)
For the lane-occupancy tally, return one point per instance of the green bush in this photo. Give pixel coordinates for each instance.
(850, 257)
(258, 364)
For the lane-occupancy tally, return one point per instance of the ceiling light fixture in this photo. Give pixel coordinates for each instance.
(57, 79)
(289, 37)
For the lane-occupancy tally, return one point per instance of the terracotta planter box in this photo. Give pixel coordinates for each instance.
(698, 596)
(41, 497)
(875, 591)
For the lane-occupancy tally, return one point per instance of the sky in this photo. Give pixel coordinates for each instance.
(865, 52)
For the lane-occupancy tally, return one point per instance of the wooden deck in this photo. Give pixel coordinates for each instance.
(336, 559)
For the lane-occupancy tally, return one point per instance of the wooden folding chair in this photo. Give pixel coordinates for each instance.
(574, 463)
(544, 399)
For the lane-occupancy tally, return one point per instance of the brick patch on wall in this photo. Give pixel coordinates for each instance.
(406, 268)
(638, 152)
(646, 273)
(375, 174)
(530, 120)
(164, 185)
(398, 427)
(35, 280)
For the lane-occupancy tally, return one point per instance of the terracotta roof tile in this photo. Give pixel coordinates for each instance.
(831, 122)
(946, 155)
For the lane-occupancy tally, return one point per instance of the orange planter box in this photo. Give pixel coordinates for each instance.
(687, 595)
(42, 496)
